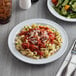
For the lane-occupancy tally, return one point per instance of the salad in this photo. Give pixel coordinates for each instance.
(66, 8)
(38, 41)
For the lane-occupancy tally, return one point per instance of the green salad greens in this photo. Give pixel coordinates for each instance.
(66, 8)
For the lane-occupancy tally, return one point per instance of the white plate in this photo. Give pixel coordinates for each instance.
(17, 28)
(56, 14)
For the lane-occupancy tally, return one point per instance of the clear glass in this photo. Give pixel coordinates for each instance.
(5, 11)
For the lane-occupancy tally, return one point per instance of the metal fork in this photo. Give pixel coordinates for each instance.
(72, 74)
(73, 52)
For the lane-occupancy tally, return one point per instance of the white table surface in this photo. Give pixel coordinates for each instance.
(9, 65)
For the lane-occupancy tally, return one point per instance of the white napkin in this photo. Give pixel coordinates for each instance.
(71, 67)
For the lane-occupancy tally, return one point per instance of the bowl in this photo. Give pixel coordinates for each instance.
(52, 58)
(56, 14)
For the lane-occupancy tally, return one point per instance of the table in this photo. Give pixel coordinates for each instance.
(9, 65)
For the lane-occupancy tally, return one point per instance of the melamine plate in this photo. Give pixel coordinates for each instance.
(52, 58)
(56, 14)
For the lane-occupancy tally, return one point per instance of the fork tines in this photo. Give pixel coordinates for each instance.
(74, 48)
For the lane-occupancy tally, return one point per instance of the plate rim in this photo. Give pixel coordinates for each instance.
(56, 14)
(30, 58)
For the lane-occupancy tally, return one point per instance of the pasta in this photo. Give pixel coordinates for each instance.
(38, 41)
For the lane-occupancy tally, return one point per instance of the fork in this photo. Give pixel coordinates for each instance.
(72, 74)
(73, 52)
